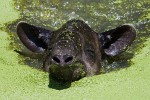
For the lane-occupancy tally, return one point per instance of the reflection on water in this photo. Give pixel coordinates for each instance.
(101, 15)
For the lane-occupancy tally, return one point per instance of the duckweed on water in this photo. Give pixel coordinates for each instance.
(20, 82)
(100, 15)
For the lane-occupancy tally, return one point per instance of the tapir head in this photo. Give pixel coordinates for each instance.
(74, 50)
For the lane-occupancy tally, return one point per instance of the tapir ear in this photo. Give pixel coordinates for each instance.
(34, 38)
(117, 40)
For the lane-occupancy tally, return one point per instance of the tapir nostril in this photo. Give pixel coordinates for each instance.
(68, 59)
(62, 59)
(56, 59)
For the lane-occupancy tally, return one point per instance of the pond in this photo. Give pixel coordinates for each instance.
(20, 82)
(99, 15)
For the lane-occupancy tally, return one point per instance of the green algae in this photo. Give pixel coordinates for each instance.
(7, 12)
(21, 82)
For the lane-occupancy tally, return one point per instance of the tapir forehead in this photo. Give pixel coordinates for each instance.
(66, 43)
(66, 38)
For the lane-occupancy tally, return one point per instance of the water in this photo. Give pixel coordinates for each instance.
(100, 15)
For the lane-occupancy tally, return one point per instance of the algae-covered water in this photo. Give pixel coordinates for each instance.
(99, 15)
(19, 81)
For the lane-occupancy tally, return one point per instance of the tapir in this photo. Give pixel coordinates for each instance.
(75, 50)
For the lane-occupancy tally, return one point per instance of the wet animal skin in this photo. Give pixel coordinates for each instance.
(75, 50)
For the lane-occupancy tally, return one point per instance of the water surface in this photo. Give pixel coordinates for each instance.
(99, 15)
(20, 82)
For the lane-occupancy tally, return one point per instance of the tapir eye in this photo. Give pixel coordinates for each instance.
(89, 50)
(49, 49)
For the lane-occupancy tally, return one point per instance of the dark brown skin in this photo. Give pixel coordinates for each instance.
(74, 50)
(77, 40)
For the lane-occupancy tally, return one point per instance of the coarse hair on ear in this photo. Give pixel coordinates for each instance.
(116, 40)
(34, 38)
